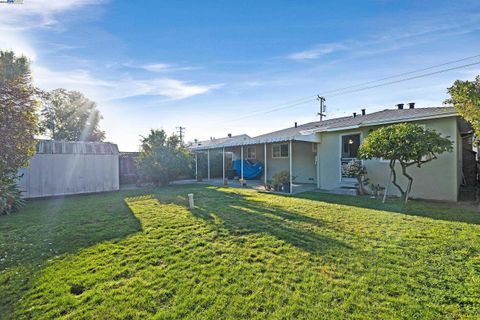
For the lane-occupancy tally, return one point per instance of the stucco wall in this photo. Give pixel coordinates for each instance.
(437, 180)
(62, 174)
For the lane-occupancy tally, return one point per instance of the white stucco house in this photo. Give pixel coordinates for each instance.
(314, 152)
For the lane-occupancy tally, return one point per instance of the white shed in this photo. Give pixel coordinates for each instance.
(62, 168)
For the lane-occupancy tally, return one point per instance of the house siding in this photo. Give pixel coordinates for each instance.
(432, 181)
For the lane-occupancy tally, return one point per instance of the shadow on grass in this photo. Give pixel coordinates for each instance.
(434, 210)
(46, 228)
(242, 216)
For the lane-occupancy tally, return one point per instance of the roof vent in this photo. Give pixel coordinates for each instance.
(296, 125)
(411, 105)
(400, 106)
(354, 114)
(229, 135)
(364, 112)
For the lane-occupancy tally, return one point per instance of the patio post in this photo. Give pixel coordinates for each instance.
(223, 164)
(265, 160)
(290, 156)
(208, 164)
(241, 163)
(196, 166)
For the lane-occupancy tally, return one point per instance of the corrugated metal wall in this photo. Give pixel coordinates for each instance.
(52, 174)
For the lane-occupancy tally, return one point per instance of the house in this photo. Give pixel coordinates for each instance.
(313, 153)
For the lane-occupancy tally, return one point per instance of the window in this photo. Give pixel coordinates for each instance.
(251, 153)
(350, 145)
(280, 150)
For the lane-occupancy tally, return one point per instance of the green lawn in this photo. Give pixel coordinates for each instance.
(240, 254)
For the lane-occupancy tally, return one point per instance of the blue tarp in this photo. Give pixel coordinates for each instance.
(251, 169)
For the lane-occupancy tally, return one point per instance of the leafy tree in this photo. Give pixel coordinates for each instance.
(406, 143)
(12, 67)
(162, 159)
(465, 97)
(18, 125)
(69, 115)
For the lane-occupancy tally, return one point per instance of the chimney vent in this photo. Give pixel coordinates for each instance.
(229, 135)
(411, 105)
(364, 112)
(400, 106)
(296, 125)
(354, 114)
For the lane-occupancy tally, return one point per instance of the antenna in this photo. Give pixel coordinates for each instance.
(323, 107)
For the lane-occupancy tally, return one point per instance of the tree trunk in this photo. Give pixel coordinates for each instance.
(410, 182)
(394, 181)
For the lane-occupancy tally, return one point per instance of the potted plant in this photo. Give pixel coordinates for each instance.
(281, 181)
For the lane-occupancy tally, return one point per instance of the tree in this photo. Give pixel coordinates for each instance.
(18, 125)
(69, 115)
(12, 67)
(162, 159)
(406, 143)
(465, 97)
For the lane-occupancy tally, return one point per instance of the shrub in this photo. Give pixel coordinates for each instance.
(162, 159)
(10, 196)
(279, 179)
(357, 170)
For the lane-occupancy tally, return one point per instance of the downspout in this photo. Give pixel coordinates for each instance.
(291, 165)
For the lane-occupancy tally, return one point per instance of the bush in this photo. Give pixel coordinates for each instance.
(279, 179)
(356, 170)
(10, 196)
(162, 159)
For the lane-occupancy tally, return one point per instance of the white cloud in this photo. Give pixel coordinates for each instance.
(156, 67)
(35, 13)
(160, 67)
(103, 90)
(318, 51)
(17, 22)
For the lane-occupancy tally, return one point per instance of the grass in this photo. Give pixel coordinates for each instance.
(240, 254)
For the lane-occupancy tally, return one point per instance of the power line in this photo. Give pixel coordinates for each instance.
(359, 89)
(341, 91)
(406, 79)
(402, 74)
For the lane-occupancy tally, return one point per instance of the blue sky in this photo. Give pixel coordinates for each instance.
(216, 67)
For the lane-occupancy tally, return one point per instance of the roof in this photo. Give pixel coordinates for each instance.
(305, 132)
(75, 147)
(386, 116)
(220, 142)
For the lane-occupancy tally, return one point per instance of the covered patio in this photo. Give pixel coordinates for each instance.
(293, 154)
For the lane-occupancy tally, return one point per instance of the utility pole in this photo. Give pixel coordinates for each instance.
(181, 133)
(323, 107)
